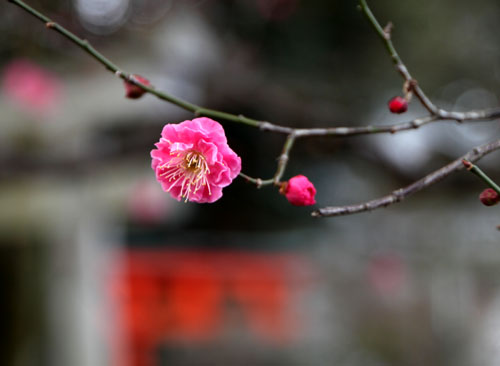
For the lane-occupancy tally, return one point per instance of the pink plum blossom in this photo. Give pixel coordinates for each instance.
(299, 191)
(31, 86)
(193, 161)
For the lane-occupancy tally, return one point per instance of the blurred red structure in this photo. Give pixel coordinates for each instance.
(166, 296)
(387, 274)
(147, 203)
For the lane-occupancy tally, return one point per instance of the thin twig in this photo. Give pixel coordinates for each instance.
(280, 170)
(441, 114)
(482, 175)
(284, 157)
(267, 126)
(294, 133)
(364, 130)
(400, 194)
(257, 181)
(385, 36)
(87, 47)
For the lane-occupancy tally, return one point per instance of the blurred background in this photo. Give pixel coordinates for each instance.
(100, 267)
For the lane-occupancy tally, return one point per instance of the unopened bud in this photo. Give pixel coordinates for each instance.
(398, 105)
(489, 197)
(299, 191)
(134, 91)
(467, 164)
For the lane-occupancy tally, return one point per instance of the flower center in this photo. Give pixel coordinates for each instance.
(189, 170)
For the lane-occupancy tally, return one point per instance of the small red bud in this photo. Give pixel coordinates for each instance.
(133, 91)
(467, 164)
(489, 197)
(398, 105)
(299, 191)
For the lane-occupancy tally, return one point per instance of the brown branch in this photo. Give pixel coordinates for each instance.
(440, 114)
(364, 130)
(284, 157)
(412, 86)
(436, 113)
(470, 116)
(482, 175)
(385, 36)
(400, 194)
(280, 169)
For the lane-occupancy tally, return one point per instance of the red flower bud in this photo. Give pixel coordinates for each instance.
(489, 197)
(467, 164)
(398, 105)
(299, 191)
(133, 91)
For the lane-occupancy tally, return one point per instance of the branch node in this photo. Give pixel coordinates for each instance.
(265, 126)
(415, 124)
(412, 84)
(467, 164)
(283, 158)
(398, 194)
(50, 25)
(388, 30)
(409, 87)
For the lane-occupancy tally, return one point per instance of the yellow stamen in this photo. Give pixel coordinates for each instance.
(190, 170)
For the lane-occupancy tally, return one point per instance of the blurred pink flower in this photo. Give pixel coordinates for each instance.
(28, 84)
(146, 204)
(299, 191)
(193, 160)
(387, 273)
